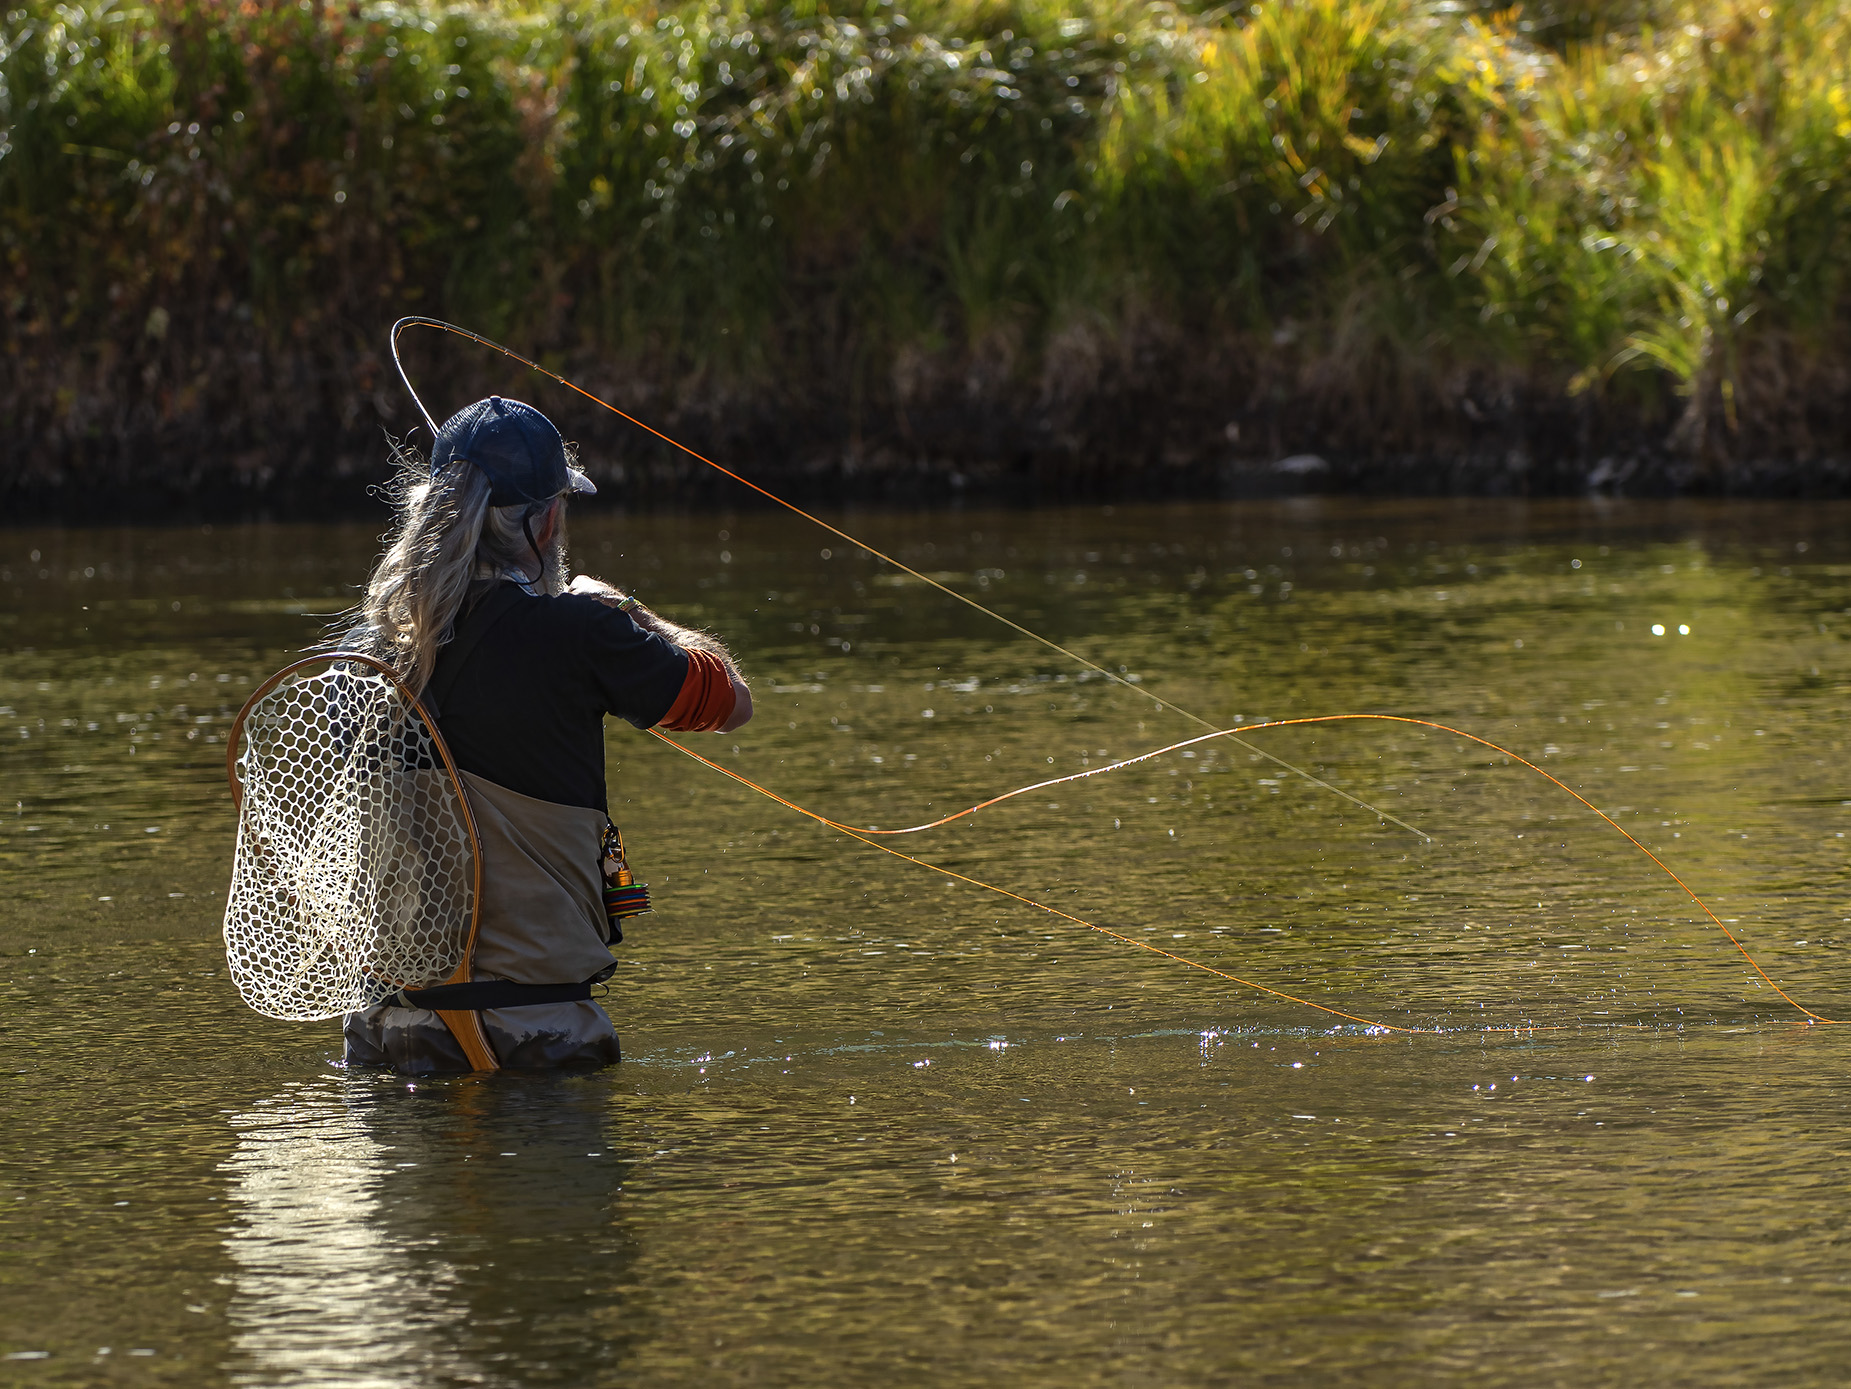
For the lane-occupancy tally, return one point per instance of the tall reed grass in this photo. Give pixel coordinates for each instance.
(1061, 235)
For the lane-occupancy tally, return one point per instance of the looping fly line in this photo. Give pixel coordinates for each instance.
(861, 544)
(873, 837)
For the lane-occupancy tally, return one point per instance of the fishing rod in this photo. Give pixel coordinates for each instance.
(873, 837)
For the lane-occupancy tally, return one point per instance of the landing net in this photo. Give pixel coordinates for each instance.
(355, 873)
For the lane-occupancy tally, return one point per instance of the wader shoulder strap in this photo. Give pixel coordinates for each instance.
(467, 635)
(459, 1005)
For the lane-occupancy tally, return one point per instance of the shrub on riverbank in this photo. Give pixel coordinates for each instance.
(1098, 234)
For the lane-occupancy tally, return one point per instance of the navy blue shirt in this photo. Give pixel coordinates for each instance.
(527, 709)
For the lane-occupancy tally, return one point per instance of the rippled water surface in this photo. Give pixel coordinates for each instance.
(879, 1125)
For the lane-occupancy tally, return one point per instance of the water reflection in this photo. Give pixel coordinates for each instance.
(1129, 1203)
(393, 1235)
(322, 1288)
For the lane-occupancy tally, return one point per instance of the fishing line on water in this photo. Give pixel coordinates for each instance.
(865, 835)
(873, 836)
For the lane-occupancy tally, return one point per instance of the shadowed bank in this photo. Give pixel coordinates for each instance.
(918, 251)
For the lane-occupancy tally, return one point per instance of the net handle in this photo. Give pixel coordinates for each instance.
(467, 1027)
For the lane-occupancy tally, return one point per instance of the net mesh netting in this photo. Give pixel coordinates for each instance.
(354, 870)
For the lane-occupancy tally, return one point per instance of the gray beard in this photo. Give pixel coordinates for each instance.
(554, 571)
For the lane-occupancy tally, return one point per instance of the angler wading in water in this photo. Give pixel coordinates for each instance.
(471, 606)
(460, 890)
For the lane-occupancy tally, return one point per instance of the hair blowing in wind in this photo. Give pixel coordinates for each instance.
(445, 536)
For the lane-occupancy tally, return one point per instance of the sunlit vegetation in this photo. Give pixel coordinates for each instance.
(1085, 235)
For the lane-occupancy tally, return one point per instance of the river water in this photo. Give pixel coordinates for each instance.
(876, 1124)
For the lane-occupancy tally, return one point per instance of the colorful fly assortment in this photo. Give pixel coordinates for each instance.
(623, 895)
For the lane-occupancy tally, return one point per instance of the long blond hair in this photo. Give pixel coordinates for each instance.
(444, 538)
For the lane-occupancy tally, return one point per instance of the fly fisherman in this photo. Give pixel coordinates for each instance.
(470, 604)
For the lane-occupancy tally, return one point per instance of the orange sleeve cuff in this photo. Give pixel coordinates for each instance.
(706, 699)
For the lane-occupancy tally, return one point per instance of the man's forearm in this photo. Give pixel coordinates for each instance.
(684, 637)
(680, 636)
(700, 641)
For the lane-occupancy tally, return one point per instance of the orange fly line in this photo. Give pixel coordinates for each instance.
(872, 837)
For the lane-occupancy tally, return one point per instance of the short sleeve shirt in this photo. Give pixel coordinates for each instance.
(527, 709)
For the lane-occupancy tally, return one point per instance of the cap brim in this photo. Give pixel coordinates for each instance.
(578, 482)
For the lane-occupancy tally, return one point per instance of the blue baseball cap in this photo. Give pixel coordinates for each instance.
(515, 446)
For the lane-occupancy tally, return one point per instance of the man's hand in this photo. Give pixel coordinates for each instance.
(589, 587)
(742, 701)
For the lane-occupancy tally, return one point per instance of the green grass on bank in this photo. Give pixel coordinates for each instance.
(1371, 224)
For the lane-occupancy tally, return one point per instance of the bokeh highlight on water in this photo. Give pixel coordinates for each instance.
(877, 1125)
